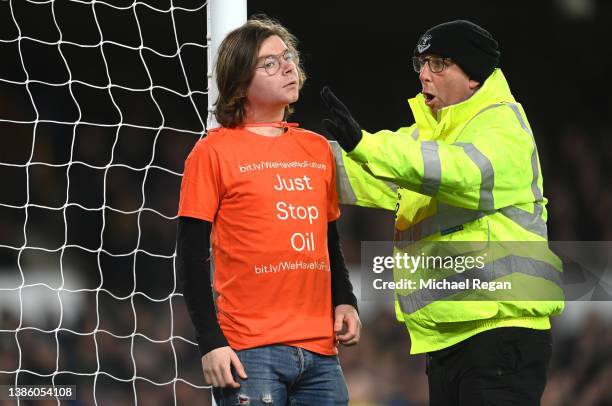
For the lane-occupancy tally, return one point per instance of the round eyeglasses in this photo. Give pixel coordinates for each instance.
(272, 63)
(436, 63)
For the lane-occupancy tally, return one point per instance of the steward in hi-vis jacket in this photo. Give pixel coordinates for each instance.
(466, 170)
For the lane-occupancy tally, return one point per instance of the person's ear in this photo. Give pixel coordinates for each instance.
(473, 85)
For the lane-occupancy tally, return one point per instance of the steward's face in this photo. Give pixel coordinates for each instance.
(446, 86)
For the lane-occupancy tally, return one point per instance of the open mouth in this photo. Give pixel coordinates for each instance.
(429, 98)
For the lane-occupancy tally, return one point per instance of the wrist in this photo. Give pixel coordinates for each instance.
(212, 340)
(348, 299)
(359, 152)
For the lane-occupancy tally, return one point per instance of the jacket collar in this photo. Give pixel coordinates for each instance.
(451, 118)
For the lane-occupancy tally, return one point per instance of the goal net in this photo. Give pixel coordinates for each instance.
(100, 103)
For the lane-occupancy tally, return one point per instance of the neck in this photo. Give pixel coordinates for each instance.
(265, 115)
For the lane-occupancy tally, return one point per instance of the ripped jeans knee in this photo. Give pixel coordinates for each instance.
(238, 397)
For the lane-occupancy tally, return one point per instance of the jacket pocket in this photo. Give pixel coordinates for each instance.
(448, 311)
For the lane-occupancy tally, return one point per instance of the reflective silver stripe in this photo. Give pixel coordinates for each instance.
(450, 216)
(346, 194)
(447, 217)
(492, 106)
(529, 221)
(516, 110)
(537, 193)
(415, 133)
(392, 186)
(432, 169)
(502, 267)
(487, 175)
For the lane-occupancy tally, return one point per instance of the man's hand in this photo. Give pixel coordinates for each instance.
(347, 325)
(217, 364)
(342, 126)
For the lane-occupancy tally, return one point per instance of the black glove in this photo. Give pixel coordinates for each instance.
(342, 126)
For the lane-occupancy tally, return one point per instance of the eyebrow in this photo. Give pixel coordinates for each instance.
(265, 56)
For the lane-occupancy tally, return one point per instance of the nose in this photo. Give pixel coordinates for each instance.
(287, 66)
(425, 74)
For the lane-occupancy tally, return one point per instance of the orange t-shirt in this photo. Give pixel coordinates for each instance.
(269, 199)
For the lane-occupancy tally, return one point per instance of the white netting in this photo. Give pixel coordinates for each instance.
(100, 102)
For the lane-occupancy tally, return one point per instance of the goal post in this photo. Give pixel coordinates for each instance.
(223, 17)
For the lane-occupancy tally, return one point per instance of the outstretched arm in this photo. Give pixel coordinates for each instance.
(485, 171)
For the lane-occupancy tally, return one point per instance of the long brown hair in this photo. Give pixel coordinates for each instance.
(235, 66)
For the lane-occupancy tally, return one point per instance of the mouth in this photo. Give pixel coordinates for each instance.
(290, 84)
(429, 98)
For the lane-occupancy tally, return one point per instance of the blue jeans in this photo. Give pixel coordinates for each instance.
(284, 375)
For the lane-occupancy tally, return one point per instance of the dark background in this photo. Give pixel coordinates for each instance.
(93, 140)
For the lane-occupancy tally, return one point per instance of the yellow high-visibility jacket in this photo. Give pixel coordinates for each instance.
(470, 174)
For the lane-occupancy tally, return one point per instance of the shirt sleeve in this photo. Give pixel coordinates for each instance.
(342, 289)
(201, 187)
(193, 266)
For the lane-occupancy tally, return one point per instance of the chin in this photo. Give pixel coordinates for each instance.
(290, 99)
(294, 94)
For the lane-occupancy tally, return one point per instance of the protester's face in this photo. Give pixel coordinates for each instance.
(270, 89)
(447, 87)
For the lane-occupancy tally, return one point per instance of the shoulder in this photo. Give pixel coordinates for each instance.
(502, 127)
(302, 132)
(500, 119)
(215, 139)
(221, 136)
(311, 136)
(509, 113)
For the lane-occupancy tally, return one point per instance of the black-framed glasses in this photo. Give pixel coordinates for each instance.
(272, 63)
(436, 63)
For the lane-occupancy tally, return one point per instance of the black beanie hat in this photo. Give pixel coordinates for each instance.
(467, 44)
